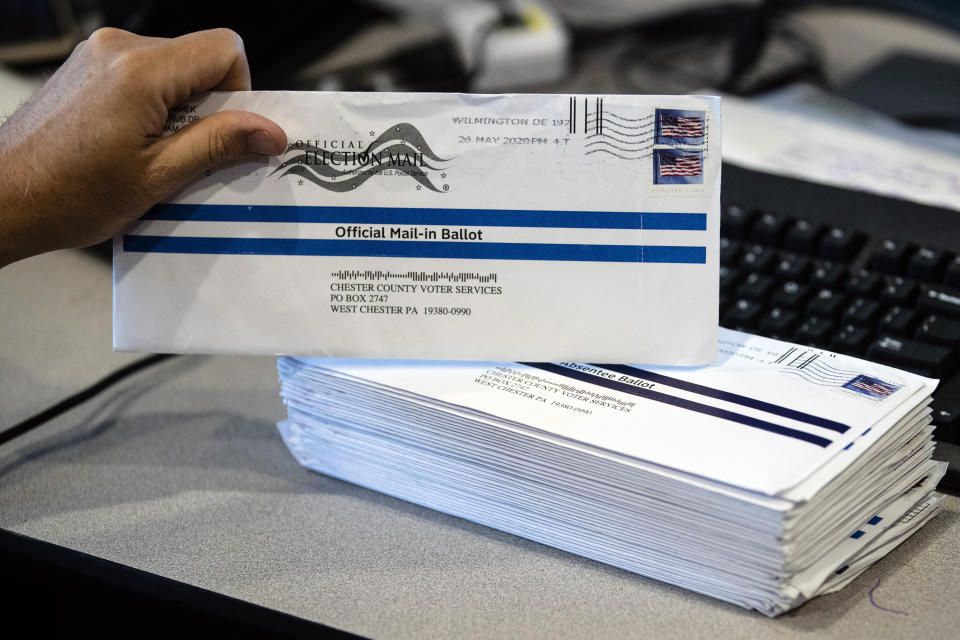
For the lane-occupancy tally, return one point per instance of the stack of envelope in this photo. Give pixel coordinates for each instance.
(777, 473)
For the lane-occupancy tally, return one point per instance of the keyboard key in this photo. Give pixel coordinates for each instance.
(927, 264)
(926, 359)
(937, 300)
(768, 229)
(779, 323)
(891, 256)
(743, 315)
(951, 275)
(851, 339)
(900, 291)
(826, 303)
(899, 321)
(791, 267)
(755, 286)
(791, 295)
(940, 330)
(735, 222)
(802, 236)
(862, 312)
(946, 420)
(815, 332)
(944, 433)
(730, 251)
(946, 414)
(758, 258)
(865, 283)
(840, 244)
(828, 275)
(729, 277)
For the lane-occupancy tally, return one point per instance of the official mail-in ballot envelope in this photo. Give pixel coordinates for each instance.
(441, 226)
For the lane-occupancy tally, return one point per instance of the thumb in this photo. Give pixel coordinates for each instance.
(219, 138)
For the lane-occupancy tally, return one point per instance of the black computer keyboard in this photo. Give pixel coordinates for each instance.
(872, 277)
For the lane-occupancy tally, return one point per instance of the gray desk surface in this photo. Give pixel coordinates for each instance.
(180, 472)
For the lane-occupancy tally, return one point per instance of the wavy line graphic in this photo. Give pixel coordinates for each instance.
(801, 374)
(349, 184)
(812, 375)
(619, 126)
(614, 153)
(836, 371)
(614, 115)
(618, 147)
(403, 140)
(644, 137)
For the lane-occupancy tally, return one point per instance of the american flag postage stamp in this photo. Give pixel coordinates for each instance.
(674, 126)
(873, 388)
(677, 166)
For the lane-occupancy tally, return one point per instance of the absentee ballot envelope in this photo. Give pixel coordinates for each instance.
(444, 226)
(764, 479)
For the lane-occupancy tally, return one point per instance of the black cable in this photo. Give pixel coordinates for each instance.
(80, 397)
(750, 33)
(720, 47)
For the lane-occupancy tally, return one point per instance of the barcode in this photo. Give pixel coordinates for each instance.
(415, 276)
(915, 512)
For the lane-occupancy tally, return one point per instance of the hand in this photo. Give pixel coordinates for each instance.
(84, 156)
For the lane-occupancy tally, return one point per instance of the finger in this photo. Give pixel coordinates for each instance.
(212, 141)
(237, 76)
(204, 61)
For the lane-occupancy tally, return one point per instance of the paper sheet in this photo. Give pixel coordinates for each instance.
(447, 226)
(762, 480)
(765, 417)
(802, 133)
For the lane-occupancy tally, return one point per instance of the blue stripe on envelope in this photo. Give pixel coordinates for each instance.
(682, 403)
(452, 217)
(735, 398)
(416, 249)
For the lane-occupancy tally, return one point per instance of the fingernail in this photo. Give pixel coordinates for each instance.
(261, 142)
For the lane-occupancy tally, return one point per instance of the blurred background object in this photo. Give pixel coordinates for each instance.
(34, 31)
(742, 47)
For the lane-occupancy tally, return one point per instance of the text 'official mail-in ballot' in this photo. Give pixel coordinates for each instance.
(446, 226)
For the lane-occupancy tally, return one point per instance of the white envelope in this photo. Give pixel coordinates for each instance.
(444, 226)
(761, 480)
